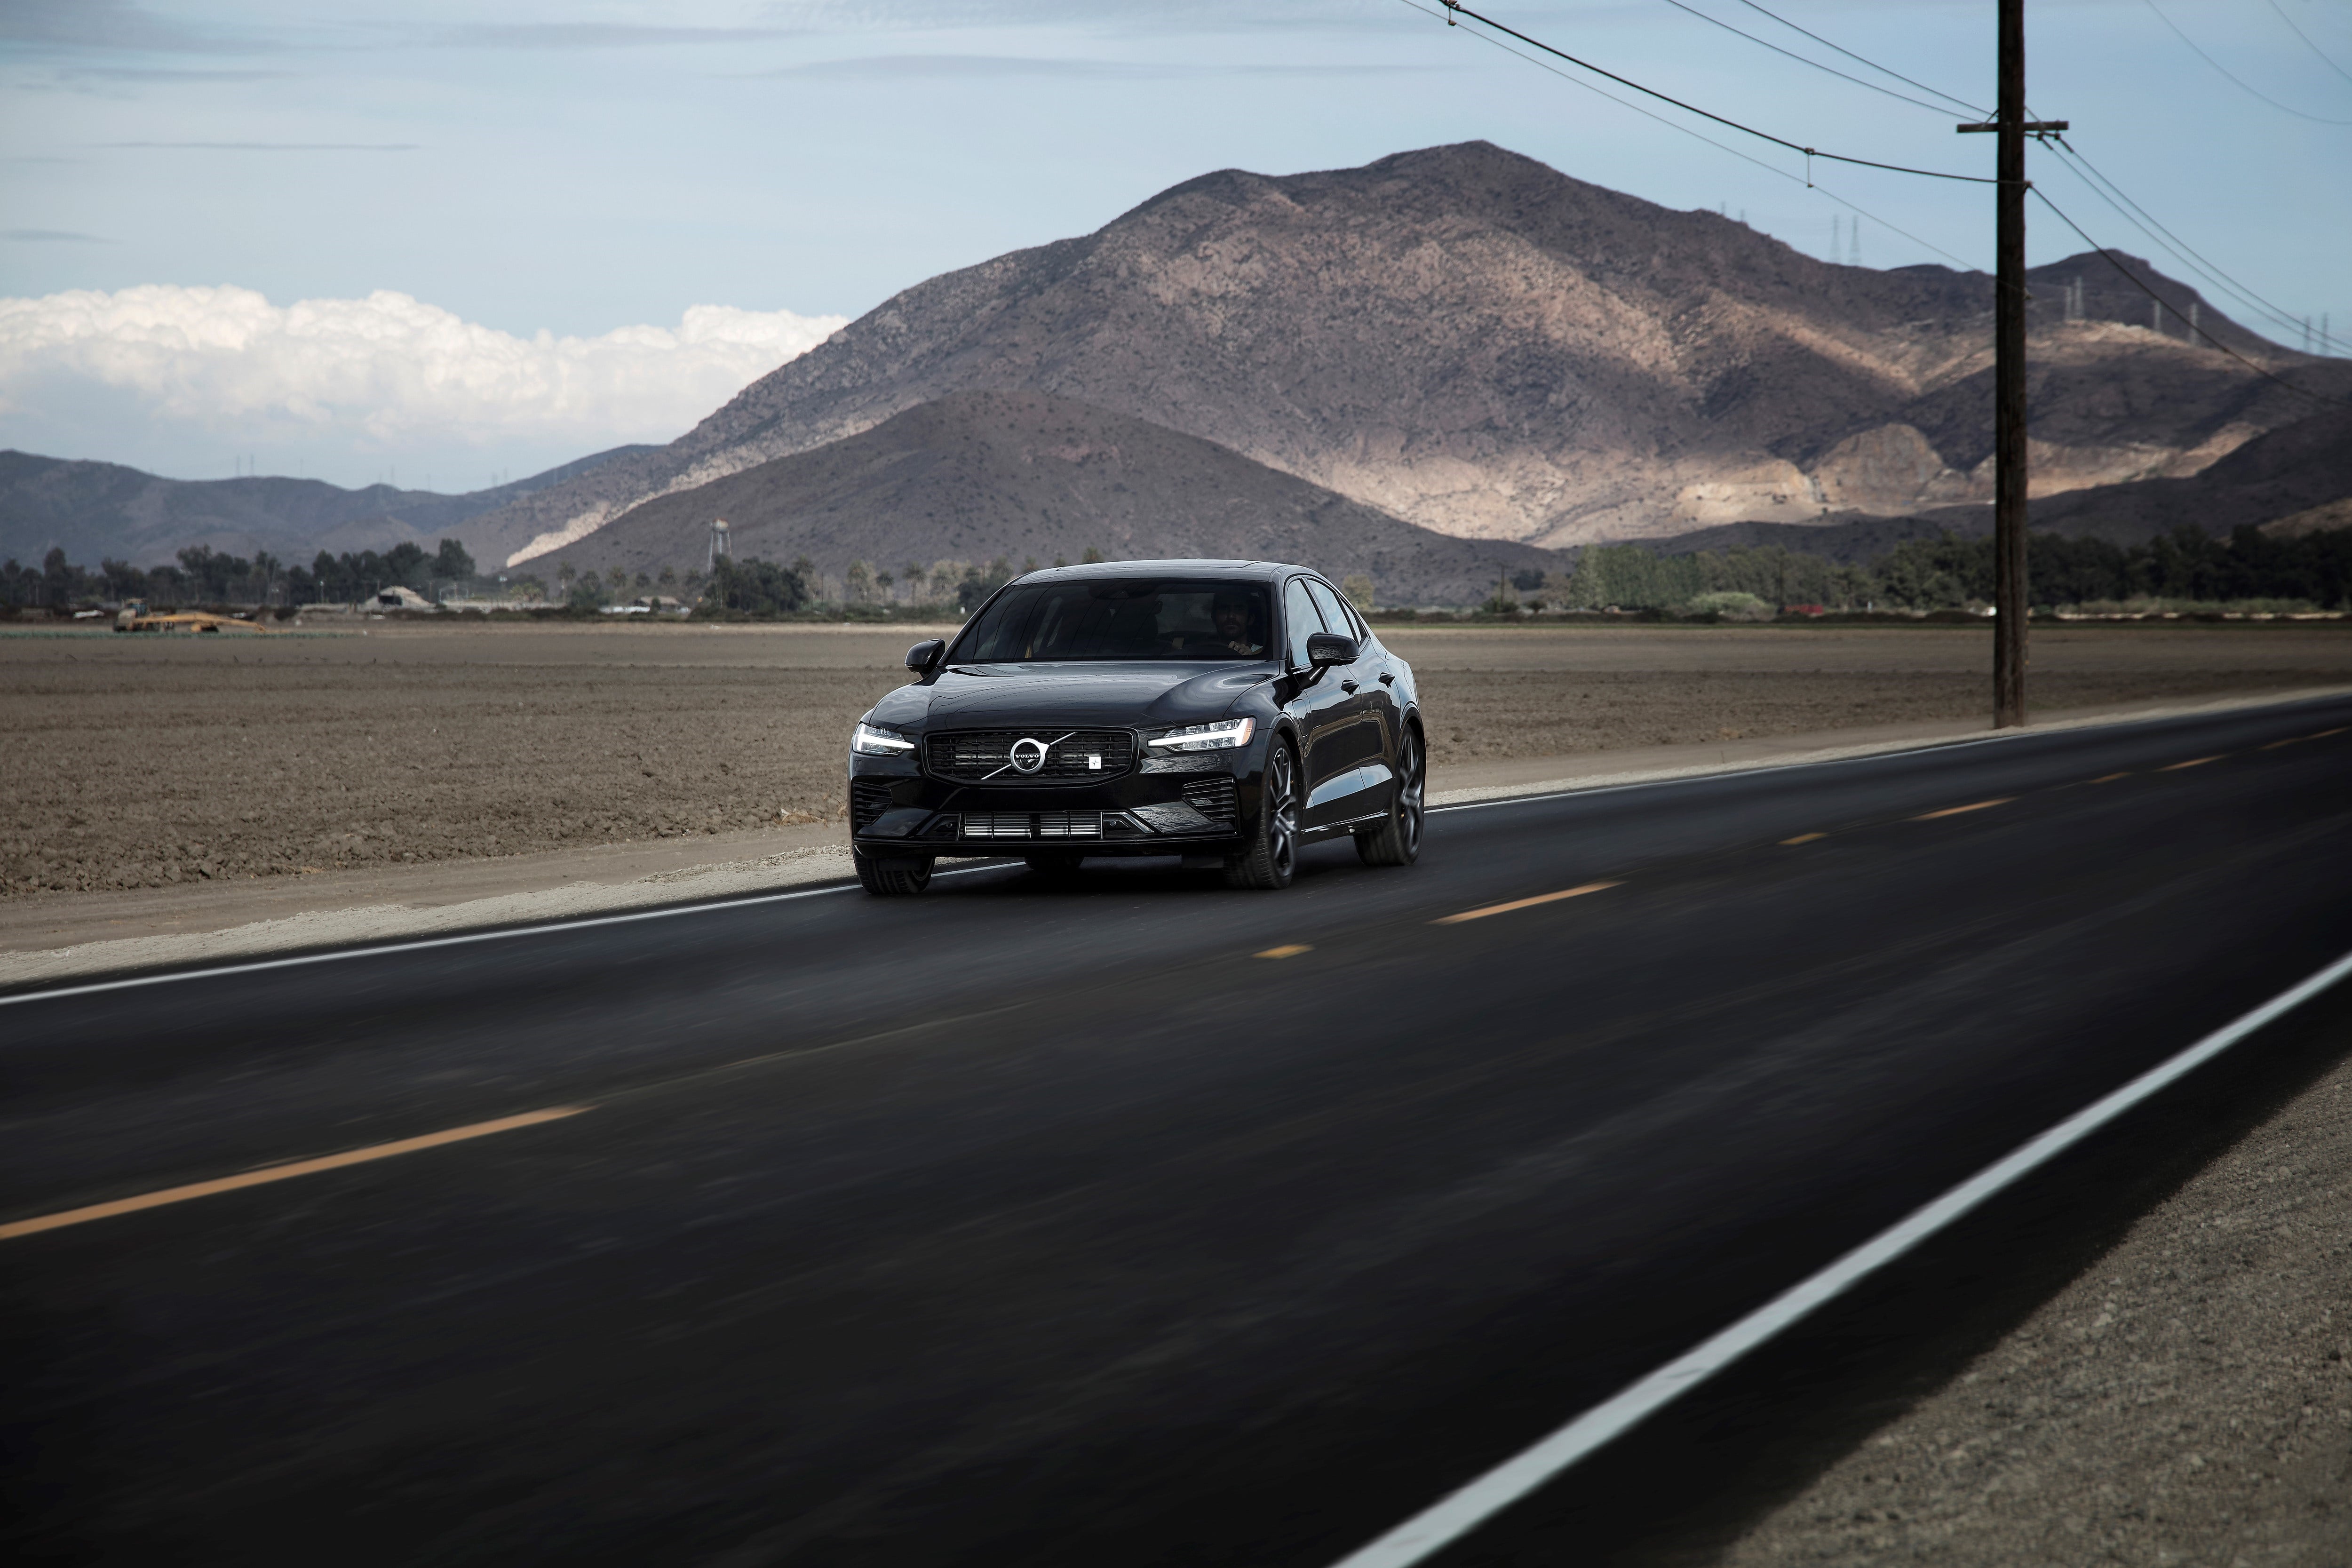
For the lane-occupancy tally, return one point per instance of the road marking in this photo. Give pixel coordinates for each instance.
(2290, 740)
(1957, 810)
(2112, 778)
(2324, 734)
(499, 933)
(1293, 950)
(1907, 755)
(2191, 762)
(1522, 904)
(1462, 1512)
(282, 1173)
(1804, 838)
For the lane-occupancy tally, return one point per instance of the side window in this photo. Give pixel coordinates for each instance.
(1299, 620)
(1334, 616)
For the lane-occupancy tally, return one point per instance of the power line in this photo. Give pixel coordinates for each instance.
(2315, 48)
(2218, 66)
(1455, 8)
(2135, 281)
(1700, 136)
(2107, 190)
(1804, 60)
(2083, 168)
(1874, 65)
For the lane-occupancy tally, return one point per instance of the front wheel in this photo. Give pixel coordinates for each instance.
(1396, 839)
(1272, 857)
(890, 878)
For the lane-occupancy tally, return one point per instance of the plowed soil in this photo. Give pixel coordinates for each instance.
(146, 761)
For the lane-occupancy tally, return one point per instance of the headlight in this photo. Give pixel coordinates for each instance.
(1217, 737)
(873, 743)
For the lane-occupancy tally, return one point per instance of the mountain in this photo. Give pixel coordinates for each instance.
(104, 511)
(977, 475)
(2278, 476)
(2288, 481)
(1481, 345)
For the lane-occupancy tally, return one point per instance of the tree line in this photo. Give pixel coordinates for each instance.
(1951, 573)
(206, 576)
(1946, 573)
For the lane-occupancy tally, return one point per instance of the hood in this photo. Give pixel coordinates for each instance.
(1017, 696)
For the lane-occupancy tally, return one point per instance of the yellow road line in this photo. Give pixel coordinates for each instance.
(1955, 810)
(1292, 951)
(1522, 904)
(1804, 838)
(2290, 740)
(282, 1173)
(2325, 734)
(2112, 778)
(2191, 762)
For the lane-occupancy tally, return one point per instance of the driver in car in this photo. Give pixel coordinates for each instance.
(1235, 614)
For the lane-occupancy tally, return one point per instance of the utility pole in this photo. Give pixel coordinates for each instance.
(2010, 605)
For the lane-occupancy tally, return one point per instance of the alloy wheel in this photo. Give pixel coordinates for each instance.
(1409, 799)
(1282, 812)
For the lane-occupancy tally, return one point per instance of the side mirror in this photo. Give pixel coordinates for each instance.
(923, 655)
(1325, 648)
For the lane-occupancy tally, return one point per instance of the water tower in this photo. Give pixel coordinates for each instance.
(717, 544)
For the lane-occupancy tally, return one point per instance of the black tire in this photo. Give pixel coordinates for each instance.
(1272, 857)
(892, 877)
(1053, 865)
(1397, 840)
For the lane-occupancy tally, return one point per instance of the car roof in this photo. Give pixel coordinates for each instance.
(1245, 571)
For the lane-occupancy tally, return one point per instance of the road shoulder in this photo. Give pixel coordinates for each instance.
(2186, 1399)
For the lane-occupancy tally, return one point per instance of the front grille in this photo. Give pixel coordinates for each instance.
(985, 756)
(868, 798)
(1033, 824)
(1213, 798)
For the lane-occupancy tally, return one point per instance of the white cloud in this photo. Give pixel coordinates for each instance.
(388, 371)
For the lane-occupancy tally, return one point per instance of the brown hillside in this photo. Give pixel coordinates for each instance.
(982, 474)
(1479, 344)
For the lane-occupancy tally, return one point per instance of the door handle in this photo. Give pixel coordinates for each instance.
(1349, 687)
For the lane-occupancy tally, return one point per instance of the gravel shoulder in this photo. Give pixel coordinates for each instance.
(2188, 1399)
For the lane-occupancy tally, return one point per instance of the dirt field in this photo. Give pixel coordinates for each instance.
(147, 761)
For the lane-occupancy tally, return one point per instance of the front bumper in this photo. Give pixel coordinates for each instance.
(1164, 806)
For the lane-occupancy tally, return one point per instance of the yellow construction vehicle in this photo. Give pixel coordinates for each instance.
(134, 618)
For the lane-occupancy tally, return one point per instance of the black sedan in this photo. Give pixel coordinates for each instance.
(1228, 711)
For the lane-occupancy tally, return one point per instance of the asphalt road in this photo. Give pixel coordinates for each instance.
(1016, 1224)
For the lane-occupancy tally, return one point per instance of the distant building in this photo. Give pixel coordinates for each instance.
(399, 598)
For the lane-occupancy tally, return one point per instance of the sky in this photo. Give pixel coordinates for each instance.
(445, 244)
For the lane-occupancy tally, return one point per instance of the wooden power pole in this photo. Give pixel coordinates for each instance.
(2010, 605)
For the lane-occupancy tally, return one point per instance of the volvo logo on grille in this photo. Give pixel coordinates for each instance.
(1028, 755)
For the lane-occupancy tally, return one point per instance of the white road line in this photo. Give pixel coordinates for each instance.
(1928, 749)
(1456, 1515)
(501, 933)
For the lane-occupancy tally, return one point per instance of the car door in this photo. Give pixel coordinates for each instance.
(1316, 706)
(1363, 743)
(1382, 670)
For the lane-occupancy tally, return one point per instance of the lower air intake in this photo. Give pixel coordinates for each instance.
(1032, 825)
(868, 798)
(1213, 798)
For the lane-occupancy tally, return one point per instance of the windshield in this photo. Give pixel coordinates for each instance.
(1122, 618)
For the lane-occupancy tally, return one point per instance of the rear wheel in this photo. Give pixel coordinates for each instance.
(1396, 841)
(893, 876)
(1272, 857)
